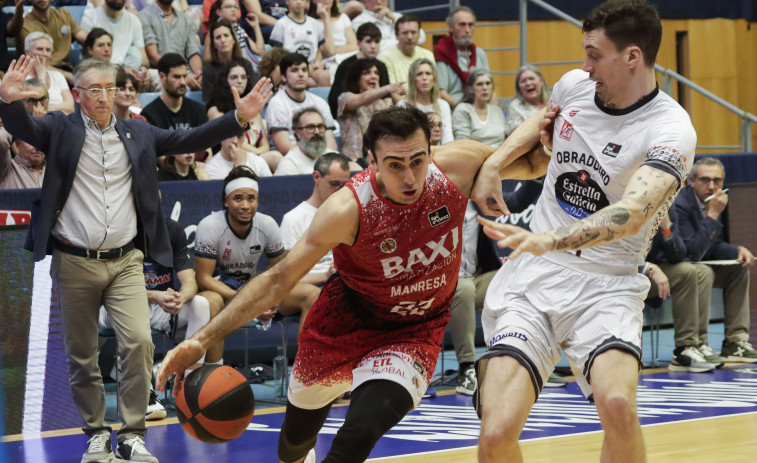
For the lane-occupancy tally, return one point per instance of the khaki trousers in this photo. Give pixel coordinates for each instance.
(469, 297)
(82, 286)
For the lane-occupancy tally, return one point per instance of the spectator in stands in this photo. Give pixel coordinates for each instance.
(171, 110)
(229, 10)
(531, 95)
(129, 50)
(126, 96)
(62, 29)
(377, 12)
(699, 206)
(10, 26)
(362, 98)
(399, 57)
(345, 41)
(456, 55)
(369, 41)
(423, 93)
(39, 46)
(269, 65)
(233, 154)
(302, 34)
(690, 285)
(229, 243)
(239, 74)
(182, 167)
(37, 106)
(294, 97)
(435, 128)
(176, 308)
(99, 44)
(474, 118)
(168, 30)
(223, 49)
(309, 130)
(330, 172)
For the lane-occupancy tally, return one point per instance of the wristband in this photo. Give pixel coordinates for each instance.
(667, 232)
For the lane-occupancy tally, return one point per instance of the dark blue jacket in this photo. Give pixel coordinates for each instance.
(670, 251)
(703, 236)
(61, 138)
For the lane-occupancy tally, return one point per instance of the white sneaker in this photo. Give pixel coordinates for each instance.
(155, 408)
(134, 450)
(310, 458)
(99, 449)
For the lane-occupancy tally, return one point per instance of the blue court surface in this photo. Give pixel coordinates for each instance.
(447, 421)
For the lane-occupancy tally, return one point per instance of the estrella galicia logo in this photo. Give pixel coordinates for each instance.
(579, 195)
(438, 216)
(612, 149)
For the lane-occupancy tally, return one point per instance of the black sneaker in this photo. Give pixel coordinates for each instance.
(99, 449)
(133, 450)
(466, 381)
(155, 408)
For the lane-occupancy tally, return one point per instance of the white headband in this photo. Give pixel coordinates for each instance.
(241, 182)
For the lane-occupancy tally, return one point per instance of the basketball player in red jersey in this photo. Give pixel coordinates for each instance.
(377, 326)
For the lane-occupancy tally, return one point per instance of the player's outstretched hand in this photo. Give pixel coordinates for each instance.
(252, 103)
(176, 361)
(516, 238)
(487, 193)
(547, 125)
(12, 85)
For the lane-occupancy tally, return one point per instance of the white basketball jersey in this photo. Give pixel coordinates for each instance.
(596, 151)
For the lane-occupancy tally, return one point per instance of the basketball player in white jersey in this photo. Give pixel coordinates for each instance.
(621, 152)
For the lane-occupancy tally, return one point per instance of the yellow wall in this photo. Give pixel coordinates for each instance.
(722, 54)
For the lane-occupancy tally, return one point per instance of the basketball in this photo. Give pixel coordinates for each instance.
(215, 404)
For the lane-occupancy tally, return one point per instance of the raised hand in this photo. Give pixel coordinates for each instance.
(547, 126)
(252, 20)
(251, 105)
(488, 186)
(12, 85)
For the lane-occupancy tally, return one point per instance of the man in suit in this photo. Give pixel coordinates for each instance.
(699, 208)
(98, 215)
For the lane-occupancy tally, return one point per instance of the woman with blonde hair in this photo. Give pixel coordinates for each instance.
(423, 93)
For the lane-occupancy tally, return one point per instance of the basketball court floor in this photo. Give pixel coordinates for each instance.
(710, 417)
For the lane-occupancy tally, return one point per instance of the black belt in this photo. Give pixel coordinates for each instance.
(99, 254)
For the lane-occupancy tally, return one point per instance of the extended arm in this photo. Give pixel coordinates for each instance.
(645, 193)
(334, 223)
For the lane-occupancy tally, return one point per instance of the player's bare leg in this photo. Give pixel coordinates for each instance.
(614, 377)
(507, 397)
(300, 300)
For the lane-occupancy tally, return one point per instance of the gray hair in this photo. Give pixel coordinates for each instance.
(34, 82)
(544, 97)
(468, 96)
(451, 16)
(33, 37)
(324, 162)
(93, 64)
(706, 161)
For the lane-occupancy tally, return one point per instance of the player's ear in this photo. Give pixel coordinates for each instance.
(634, 57)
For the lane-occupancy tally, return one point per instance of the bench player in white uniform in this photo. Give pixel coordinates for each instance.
(621, 151)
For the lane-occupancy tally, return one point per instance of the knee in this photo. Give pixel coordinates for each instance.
(616, 411)
(496, 442)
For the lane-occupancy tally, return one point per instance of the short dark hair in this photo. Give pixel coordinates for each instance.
(323, 163)
(122, 77)
(396, 121)
(237, 172)
(628, 22)
(368, 30)
(356, 69)
(298, 115)
(92, 37)
(289, 60)
(406, 18)
(170, 61)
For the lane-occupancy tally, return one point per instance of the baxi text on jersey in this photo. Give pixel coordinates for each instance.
(423, 285)
(396, 265)
(589, 161)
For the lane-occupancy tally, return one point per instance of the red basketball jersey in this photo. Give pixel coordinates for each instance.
(405, 260)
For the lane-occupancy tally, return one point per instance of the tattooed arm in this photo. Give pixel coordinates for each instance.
(649, 189)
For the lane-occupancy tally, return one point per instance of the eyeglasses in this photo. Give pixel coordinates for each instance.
(36, 100)
(95, 92)
(707, 180)
(311, 128)
(336, 184)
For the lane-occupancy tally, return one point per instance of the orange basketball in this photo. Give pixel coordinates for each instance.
(215, 404)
